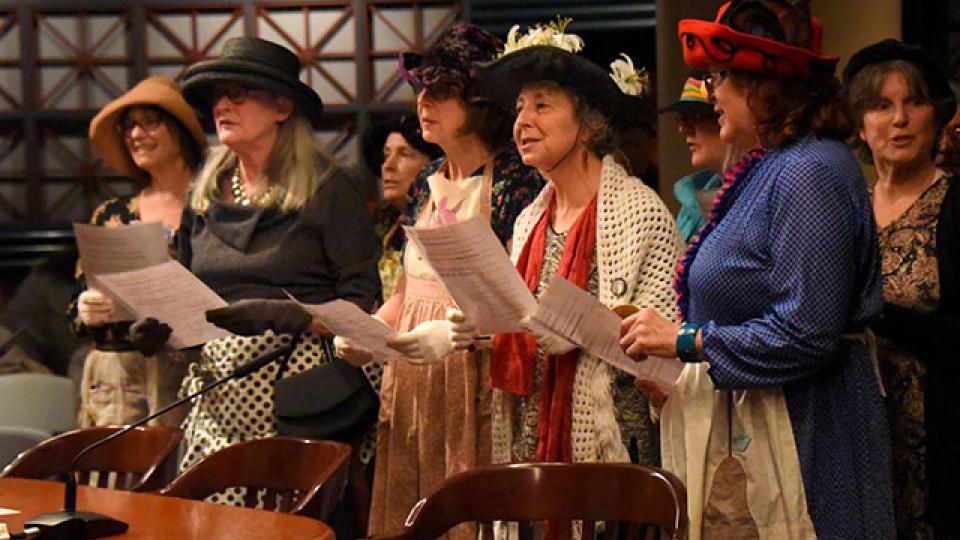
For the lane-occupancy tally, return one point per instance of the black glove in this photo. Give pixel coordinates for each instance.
(149, 335)
(254, 317)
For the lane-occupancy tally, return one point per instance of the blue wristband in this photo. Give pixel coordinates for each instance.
(687, 342)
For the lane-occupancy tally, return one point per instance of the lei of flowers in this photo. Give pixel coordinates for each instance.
(630, 80)
(721, 204)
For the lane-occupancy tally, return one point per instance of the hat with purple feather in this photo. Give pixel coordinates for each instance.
(448, 66)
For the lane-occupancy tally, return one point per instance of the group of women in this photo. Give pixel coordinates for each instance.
(778, 424)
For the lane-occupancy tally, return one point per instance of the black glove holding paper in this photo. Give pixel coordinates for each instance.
(149, 335)
(254, 317)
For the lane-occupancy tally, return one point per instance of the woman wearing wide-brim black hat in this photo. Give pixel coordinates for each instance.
(270, 213)
(595, 225)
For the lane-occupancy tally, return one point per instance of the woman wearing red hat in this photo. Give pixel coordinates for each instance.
(777, 424)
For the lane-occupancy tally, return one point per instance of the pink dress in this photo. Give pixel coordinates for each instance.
(434, 419)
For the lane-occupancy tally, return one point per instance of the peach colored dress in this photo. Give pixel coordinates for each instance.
(434, 419)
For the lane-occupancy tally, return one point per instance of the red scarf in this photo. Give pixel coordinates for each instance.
(513, 364)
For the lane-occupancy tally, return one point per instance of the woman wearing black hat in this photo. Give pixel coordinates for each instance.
(595, 225)
(901, 102)
(269, 214)
(434, 414)
(394, 151)
(774, 297)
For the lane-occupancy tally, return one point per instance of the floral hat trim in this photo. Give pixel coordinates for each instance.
(630, 80)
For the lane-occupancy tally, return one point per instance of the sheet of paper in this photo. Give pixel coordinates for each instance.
(573, 313)
(346, 319)
(477, 273)
(105, 250)
(171, 294)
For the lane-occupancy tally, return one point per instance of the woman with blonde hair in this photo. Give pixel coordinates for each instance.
(270, 214)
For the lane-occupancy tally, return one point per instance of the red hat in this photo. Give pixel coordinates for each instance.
(772, 37)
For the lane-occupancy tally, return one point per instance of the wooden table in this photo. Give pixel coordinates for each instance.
(153, 516)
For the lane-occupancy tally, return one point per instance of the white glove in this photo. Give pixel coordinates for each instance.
(429, 342)
(463, 333)
(94, 307)
(355, 355)
(550, 343)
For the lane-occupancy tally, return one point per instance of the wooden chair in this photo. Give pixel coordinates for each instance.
(296, 476)
(136, 461)
(562, 492)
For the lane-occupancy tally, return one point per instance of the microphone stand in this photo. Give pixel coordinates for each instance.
(98, 525)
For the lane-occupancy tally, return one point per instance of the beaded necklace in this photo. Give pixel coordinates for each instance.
(240, 195)
(721, 205)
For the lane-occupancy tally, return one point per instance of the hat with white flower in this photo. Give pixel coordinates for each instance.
(549, 53)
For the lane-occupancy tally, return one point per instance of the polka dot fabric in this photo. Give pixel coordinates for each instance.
(791, 268)
(242, 409)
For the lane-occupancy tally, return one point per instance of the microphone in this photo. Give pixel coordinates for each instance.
(98, 525)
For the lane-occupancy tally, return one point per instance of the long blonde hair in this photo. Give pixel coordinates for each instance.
(297, 162)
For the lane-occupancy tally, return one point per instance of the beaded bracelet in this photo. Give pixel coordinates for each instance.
(687, 342)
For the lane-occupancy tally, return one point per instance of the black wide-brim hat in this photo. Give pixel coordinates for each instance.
(941, 95)
(501, 80)
(408, 126)
(255, 63)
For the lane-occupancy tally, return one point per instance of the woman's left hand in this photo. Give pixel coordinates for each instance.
(647, 333)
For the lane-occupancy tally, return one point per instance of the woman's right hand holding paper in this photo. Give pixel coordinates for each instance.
(94, 308)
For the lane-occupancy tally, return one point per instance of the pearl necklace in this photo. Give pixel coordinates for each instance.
(240, 195)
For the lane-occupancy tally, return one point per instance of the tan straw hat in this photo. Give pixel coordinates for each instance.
(157, 91)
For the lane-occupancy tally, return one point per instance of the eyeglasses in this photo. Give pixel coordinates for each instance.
(235, 92)
(714, 80)
(147, 119)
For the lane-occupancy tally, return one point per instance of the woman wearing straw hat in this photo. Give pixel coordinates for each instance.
(435, 408)
(775, 294)
(270, 213)
(150, 134)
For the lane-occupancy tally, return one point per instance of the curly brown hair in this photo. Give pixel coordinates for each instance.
(786, 110)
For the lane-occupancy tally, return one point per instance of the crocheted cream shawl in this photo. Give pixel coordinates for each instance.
(638, 247)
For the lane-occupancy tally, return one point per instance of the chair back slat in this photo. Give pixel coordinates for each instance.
(285, 474)
(588, 530)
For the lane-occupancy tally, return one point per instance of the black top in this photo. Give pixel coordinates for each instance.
(324, 251)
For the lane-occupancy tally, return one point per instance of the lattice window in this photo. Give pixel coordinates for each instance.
(83, 58)
(13, 191)
(324, 38)
(77, 58)
(75, 180)
(178, 37)
(11, 76)
(396, 27)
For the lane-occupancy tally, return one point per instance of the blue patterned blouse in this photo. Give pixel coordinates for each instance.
(791, 268)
